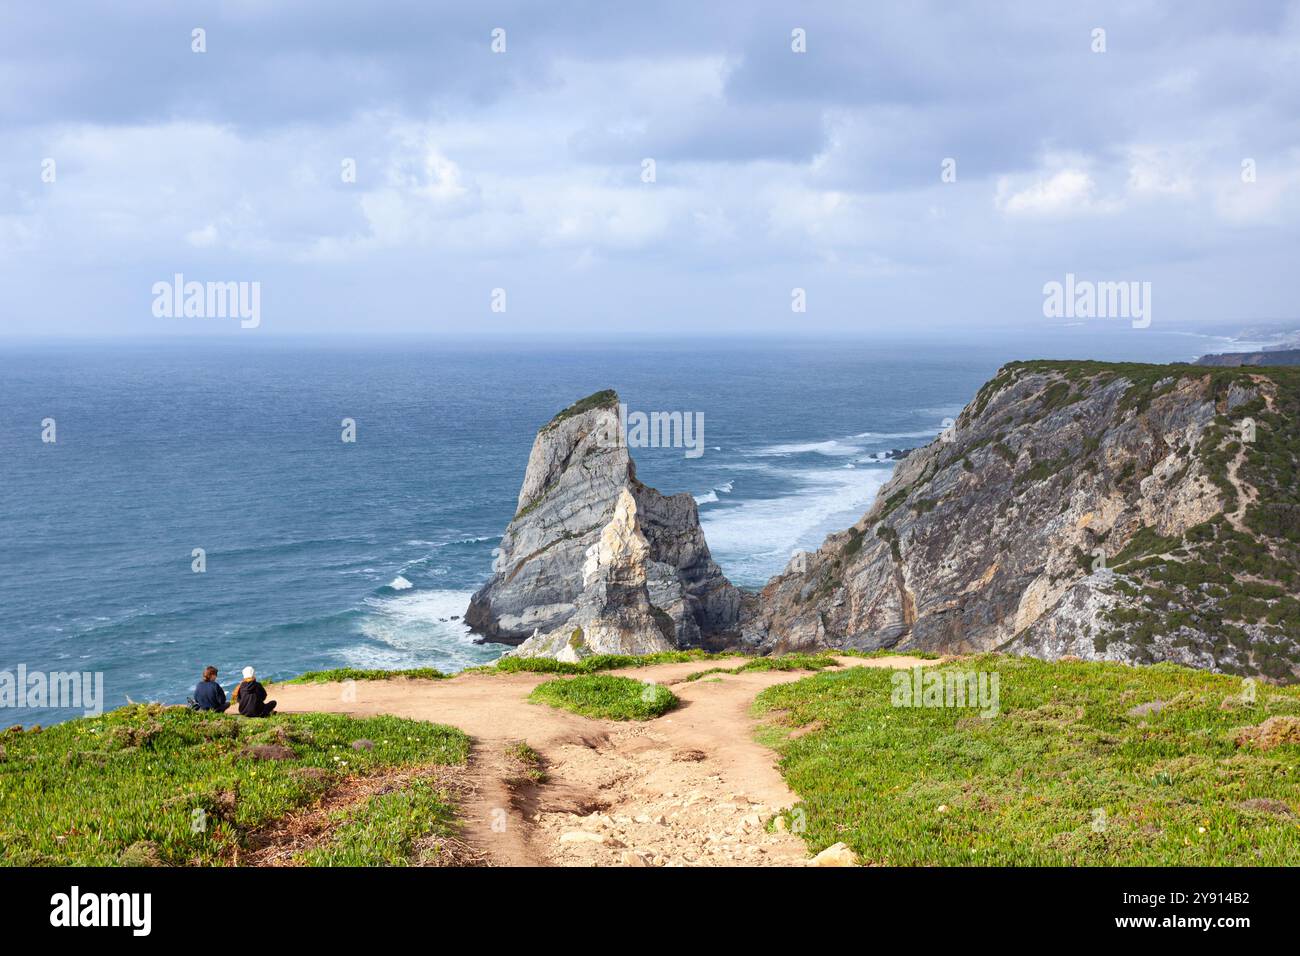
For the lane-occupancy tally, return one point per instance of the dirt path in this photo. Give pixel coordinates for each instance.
(690, 788)
(1246, 494)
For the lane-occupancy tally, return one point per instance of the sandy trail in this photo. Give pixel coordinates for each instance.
(690, 788)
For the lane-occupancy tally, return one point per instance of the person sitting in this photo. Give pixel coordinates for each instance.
(250, 695)
(209, 695)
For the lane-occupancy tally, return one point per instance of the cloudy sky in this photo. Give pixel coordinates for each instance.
(524, 170)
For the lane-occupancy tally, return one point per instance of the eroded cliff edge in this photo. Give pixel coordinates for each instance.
(1122, 512)
(594, 561)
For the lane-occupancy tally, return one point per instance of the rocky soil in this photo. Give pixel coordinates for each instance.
(690, 788)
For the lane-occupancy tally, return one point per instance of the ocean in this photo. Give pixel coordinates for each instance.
(323, 553)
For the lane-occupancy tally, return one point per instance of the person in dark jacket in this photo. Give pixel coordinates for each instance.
(250, 695)
(208, 695)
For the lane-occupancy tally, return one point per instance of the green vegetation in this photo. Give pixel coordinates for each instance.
(789, 662)
(888, 652)
(1005, 453)
(1042, 470)
(1145, 542)
(605, 696)
(129, 786)
(528, 760)
(1192, 591)
(397, 828)
(596, 662)
(353, 673)
(710, 672)
(886, 533)
(892, 502)
(602, 399)
(782, 662)
(1066, 774)
(1059, 395)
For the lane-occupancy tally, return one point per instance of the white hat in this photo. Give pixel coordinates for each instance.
(248, 672)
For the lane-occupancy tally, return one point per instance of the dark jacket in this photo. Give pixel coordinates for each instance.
(209, 696)
(251, 696)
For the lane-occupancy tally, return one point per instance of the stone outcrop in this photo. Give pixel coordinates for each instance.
(594, 561)
(1136, 513)
(1076, 508)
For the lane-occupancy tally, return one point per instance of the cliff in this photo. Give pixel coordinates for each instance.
(1123, 512)
(594, 561)
(1265, 357)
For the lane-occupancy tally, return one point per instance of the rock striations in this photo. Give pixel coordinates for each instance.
(594, 561)
(1124, 512)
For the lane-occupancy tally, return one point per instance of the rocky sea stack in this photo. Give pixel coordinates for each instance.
(594, 561)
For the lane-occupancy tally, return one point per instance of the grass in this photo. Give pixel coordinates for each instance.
(595, 663)
(789, 662)
(528, 760)
(605, 696)
(1031, 785)
(388, 829)
(132, 785)
(785, 662)
(888, 652)
(340, 674)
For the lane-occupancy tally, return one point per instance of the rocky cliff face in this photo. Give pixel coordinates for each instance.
(594, 561)
(1265, 357)
(1123, 512)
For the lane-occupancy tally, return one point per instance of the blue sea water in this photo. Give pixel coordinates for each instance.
(311, 542)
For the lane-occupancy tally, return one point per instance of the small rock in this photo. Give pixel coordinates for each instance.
(779, 825)
(642, 818)
(1151, 707)
(633, 858)
(837, 854)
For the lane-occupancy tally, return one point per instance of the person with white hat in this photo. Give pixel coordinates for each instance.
(250, 695)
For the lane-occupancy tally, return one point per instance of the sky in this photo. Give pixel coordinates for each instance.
(911, 166)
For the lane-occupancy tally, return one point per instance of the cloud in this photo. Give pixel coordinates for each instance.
(773, 168)
(1060, 194)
